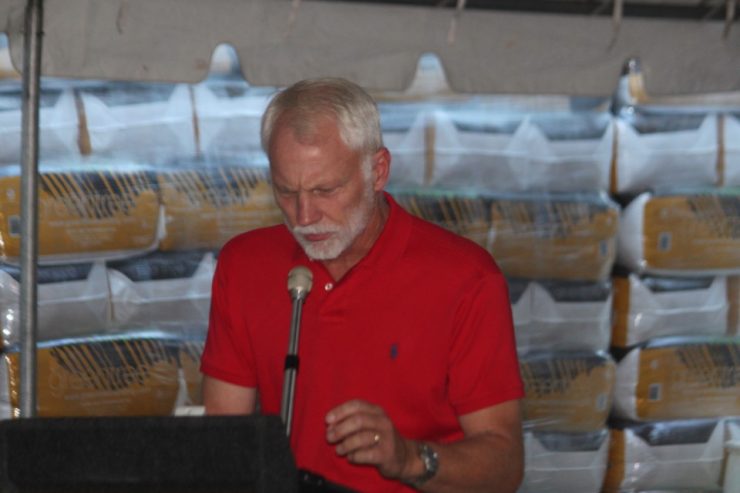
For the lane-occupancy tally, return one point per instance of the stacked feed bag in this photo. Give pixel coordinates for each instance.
(152, 122)
(89, 210)
(206, 203)
(59, 125)
(675, 455)
(646, 307)
(72, 300)
(666, 144)
(558, 461)
(682, 232)
(166, 289)
(554, 236)
(498, 147)
(561, 315)
(116, 375)
(407, 130)
(467, 214)
(679, 378)
(227, 119)
(567, 391)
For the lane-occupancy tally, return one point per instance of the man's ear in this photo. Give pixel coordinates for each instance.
(381, 168)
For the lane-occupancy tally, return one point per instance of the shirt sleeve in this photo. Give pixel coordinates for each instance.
(483, 365)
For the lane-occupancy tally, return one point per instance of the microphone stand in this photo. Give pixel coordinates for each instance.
(300, 280)
(291, 365)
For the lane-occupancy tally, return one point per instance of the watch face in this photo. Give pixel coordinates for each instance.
(431, 464)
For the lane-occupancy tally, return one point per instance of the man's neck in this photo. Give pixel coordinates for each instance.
(339, 266)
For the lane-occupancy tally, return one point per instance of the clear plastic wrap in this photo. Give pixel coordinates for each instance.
(520, 151)
(466, 214)
(679, 378)
(152, 122)
(681, 233)
(162, 288)
(406, 128)
(554, 236)
(92, 210)
(72, 300)
(562, 315)
(58, 122)
(205, 204)
(558, 462)
(567, 391)
(531, 236)
(666, 148)
(118, 375)
(666, 455)
(227, 116)
(731, 149)
(646, 307)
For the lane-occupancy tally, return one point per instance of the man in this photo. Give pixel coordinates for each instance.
(408, 374)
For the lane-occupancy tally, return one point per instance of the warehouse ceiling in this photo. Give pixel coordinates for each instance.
(575, 47)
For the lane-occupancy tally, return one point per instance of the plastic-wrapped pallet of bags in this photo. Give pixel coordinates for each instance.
(228, 113)
(72, 300)
(567, 315)
(646, 307)
(559, 462)
(162, 288)
(206, 204)
(116, 375)
(554, 236)
(665, 455)
(681, 233)
(503, 147)
(463, 213)
(679, 378)
(567, 391)
(88, 211)
(128, 120)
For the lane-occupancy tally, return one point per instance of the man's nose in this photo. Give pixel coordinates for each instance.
(306, 211)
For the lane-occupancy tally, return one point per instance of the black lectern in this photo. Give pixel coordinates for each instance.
(213, 454)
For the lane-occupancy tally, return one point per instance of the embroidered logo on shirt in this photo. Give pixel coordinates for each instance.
(394, 350)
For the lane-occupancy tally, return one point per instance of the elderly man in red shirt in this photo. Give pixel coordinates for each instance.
(409, 377)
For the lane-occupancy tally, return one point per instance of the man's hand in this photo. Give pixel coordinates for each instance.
(364, 434)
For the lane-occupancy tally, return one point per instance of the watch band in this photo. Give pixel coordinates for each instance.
(430, 459)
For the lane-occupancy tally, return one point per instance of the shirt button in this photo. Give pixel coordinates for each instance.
(328, 286)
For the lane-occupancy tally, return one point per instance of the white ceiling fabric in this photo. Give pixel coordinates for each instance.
(376, 45)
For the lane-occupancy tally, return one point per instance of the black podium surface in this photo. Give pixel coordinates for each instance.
(198, 454)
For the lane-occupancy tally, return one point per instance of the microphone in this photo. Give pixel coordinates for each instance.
(300, 280)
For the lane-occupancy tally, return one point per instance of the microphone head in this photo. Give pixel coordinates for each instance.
(300, 280)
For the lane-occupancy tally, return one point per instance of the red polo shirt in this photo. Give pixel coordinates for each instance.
(421, 326)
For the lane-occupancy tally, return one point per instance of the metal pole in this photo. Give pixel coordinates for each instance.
(32, 42)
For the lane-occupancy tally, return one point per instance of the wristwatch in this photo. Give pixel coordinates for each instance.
(431, 464)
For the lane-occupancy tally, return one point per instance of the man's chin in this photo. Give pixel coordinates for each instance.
(315, 250)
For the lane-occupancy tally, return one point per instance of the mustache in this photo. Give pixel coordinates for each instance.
(314, 229)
